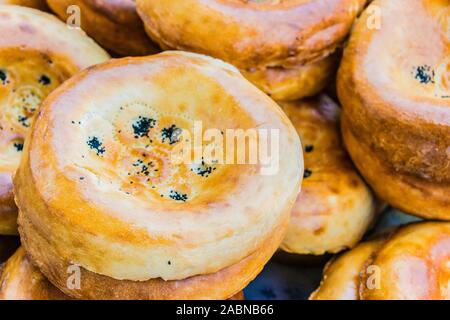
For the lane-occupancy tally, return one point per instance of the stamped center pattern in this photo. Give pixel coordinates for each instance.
(141, 150)
(26, 78)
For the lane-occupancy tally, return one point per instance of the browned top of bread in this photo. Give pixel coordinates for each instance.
(113, 153)
(112, 23)
(251, 34)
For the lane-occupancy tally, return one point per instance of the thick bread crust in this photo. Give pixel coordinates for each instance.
(335, 207)
(278, 45)
(287, 84)
(113, 24)
(37, 53)
(21, 280)
(409, 263)
(221, 285)
(341, 275)
(413, 265)
(36, 4)
(144, 231)
(395, 93)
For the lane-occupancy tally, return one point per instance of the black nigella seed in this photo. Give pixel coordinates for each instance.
(175, 195)
(425, 74)
(169, 263)
(307, 173)
(3, 76)
(171, 133)
(23, 121)
(203, 170)
(142, 126)
(44, 80)
(95, 144)
(18, 146)
(309, 148)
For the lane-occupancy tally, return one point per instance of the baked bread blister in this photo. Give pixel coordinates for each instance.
(37, 53)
